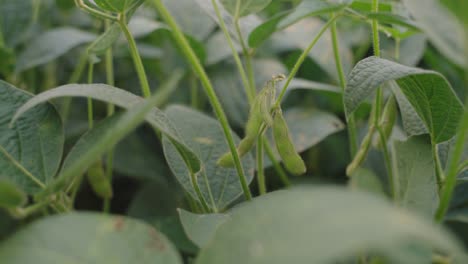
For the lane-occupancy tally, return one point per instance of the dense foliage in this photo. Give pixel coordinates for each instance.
(241, 131)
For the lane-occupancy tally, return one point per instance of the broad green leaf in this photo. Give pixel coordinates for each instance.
(322, 225)
(447, 34)
(247, 24)
(298, 83)
(309, 8)
(106, 40)
(120, 98)
(366, 180)
(201, 228)
(299, 36)
(218, 49)
(156, 203)
(117, 6)
(219, 186)
(88, 238)
(413, 164)
(51, 45)
(459, 8)
(308, 127)
(144, 163)
(140, 27)
(191, 18)
(306, 8)
(240, 8)
(16, 17)
(31, 150)
(10, 195)
(412, 123)
(429, 93)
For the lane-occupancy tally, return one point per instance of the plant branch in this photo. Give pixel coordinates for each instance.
(352, 134)
(135, 56)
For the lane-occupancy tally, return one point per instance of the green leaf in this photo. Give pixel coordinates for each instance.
(117, 6)
(459, 8)
(306, 8)
(144, 163)
(191, 18)
(366, 180)
(417, 187)
(308, 127)
(88, 238)
(10, 195)
(120, 98)
(51, 45)
(156, 203)
(16, 18)
(219, 186)
(428, 92)
(240, 8)
(31, 150)
(201, 228)
(447, 34)
(106, 40)
(321, 225)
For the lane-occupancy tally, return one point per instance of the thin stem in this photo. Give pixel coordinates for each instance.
(388, 163)
(451, 179)
(245, 80)
(276, 165)
(301, 60)
(21, 213)
(438, 166)
(352, 134)
(209, 90)
(135, 56)
(260, 171)
(90, 101)
(74, 78)
(248, 58)
(376, 45)
(110, 79)
(203, 202)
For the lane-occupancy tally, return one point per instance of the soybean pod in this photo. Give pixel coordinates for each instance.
(291, 159)
(99, 182)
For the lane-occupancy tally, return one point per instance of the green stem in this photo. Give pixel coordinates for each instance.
(208, 87)
(21, 213)
(74, 78)
(301, 60)
(260, 171)
(135, 56)
(352, 134)
(451, 179)
(388, 163)
(276, 165)
(203, 202)
(376, 45)
(248, 58)
(245, 80)
(90, 101)
(110, 79)
(437, 166)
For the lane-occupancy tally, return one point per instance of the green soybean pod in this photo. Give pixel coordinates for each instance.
(99, 182)
(291, 159)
